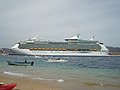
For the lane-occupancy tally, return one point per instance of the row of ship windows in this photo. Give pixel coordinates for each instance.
(61, 49)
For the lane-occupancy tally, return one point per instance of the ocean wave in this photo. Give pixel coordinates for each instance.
(58, 80)
(16, 74)
(43, 79)
(29, 76)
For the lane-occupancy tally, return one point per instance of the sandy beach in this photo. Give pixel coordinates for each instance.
(30, 84)
(26, 84)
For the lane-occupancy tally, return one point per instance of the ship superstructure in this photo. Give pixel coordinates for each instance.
(73, 46)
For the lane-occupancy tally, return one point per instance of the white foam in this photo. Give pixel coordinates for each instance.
(43, 79)
(29, 76)
(60, 80)
(16, 74)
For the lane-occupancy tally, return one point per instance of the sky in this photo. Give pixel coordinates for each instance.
(55, 20)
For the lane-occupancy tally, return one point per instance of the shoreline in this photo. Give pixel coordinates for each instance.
(24, 83)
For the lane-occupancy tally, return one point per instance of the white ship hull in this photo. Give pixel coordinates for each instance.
(58, 53)
(16, 51)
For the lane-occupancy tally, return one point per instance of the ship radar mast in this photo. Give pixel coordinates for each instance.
(92, 38)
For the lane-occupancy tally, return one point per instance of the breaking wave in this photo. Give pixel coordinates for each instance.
(24, 75)
(16, 74)
(57, 80)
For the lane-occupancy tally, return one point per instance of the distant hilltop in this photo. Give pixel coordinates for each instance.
(112, 50)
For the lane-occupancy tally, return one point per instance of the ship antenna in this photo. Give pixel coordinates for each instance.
(92, 38)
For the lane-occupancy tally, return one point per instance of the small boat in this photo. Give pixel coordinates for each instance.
(20, 63)
(39, 57)
(56, 60)
(7, 86)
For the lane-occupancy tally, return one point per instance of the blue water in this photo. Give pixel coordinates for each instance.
(75, 72)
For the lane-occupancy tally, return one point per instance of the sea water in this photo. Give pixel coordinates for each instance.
(77, 71)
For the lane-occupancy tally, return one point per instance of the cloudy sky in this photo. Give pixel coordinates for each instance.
(57, 19)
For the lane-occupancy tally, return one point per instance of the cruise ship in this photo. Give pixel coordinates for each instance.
(73, 46)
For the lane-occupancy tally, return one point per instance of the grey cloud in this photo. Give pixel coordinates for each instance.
(57, 19)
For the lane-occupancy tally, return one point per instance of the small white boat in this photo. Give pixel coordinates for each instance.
(39, 57)
(56, 60)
